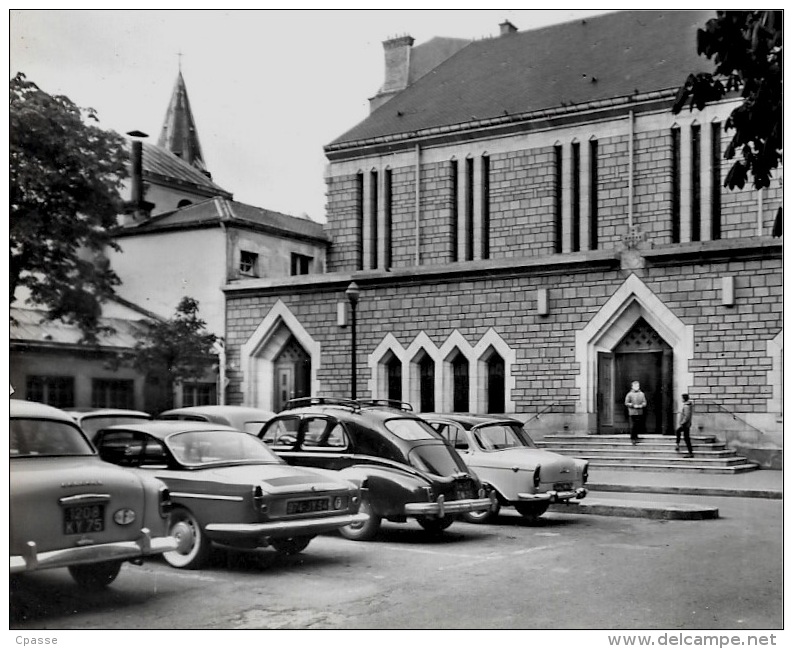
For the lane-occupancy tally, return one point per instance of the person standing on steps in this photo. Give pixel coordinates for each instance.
(684, 426)
(636, 402)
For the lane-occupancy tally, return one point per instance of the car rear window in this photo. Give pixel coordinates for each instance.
(501, 436)
(197, 448)
(42, 437)
(411, 429)
(436, 458)
(91, 425)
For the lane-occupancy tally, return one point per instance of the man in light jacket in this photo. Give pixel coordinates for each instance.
(636, 402)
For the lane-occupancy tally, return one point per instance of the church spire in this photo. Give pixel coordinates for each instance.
(179, 134)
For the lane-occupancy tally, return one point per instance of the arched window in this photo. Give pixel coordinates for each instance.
(393, 369)
(460, 383)
(495, 383)
(427, 383)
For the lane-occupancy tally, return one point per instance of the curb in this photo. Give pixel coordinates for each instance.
(641, 509)
(771, 494)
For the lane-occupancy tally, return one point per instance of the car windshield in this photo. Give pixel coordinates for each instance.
(41, 437)
(91, 425)
(196, 448)
(411, 429)
(497, 437)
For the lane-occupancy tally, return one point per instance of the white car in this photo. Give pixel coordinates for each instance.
(505, 458)
(69, 509)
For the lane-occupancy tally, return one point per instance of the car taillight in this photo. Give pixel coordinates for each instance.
(259, 503)
(585, 473)
(166, 505)
(430, 495)
(537, 477)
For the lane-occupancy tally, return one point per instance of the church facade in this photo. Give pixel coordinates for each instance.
(531, 229)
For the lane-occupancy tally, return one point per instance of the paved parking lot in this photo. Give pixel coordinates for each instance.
(569, 571)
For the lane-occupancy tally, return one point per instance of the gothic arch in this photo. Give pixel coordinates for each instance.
(258, 353)
(631, 301)
(388, 348)
(481, 352)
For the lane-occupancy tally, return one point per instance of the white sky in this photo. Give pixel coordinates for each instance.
(268, 88)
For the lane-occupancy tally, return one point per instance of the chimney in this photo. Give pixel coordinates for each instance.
(397, 63)
(507, 28)
(137, 208)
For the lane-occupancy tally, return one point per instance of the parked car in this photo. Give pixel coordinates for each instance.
(92, 419)
(248, 420)
(69, 509)
(508, 461)
(403, 466)
(228, 488)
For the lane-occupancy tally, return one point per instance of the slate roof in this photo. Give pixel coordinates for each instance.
(600, 58)
(221, 210)
(32, 327)
(160, 164)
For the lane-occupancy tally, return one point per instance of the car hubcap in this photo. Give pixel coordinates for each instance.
(184, 536)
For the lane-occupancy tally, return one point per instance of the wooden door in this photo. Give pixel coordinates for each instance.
(605, 393)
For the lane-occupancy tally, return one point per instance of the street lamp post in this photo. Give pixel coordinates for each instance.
(353, 293)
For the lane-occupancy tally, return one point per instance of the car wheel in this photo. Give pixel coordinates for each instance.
(435, 524)
(483, 517)
(95, 575)
(531, 511)
(363, 531)
(194, 546)
(292, 545)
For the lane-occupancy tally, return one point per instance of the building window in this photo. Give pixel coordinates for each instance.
(715, 186)
(113, 393)
(359, 191)
(593, 195)
(557, 204)
(387, 217)
(394, 378)
(249, 263)
(695, 181)
(676, 185)
(373, 203)
(427, 383)
(455, 225)
(575, 189)
(469, 208)
(301, 264)
(199, 394)
(485, 207)
(460, 384)
(57, 391)
(495, 383)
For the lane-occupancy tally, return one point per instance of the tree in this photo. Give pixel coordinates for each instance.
(746, 47)
(64, 186)
(175, 350)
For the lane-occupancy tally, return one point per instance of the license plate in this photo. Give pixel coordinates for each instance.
(84, 519)
(306, 506)
(562, 486)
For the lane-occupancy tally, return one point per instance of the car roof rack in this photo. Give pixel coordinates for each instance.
(302, 402)
(388, 403)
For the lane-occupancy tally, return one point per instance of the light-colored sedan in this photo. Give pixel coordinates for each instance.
(244, 418)
(506, 459)
(69, 509)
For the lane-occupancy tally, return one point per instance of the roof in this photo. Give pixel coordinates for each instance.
(429, 55)
(468, 420)
(163, 166)
(600, 58)
(179, 134)
(228, 212)
(162, 429)
(32, 326)
(21, 408)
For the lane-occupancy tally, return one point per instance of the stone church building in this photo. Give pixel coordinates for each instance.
(531, 229)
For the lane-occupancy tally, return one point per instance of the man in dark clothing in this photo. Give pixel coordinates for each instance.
(684, 426)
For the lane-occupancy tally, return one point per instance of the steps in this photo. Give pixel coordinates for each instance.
(653, 453)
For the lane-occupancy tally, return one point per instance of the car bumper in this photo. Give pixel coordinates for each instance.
(441, 507)
(31, 559)
(554, 496)
(277, 529)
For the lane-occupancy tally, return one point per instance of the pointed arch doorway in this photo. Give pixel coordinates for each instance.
(292, 377)
(641, 355)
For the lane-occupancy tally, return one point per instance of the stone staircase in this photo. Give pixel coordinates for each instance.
(652, 453)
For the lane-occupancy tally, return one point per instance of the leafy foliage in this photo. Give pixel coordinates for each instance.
(176, 350)
(746, 47)
(64, 186)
